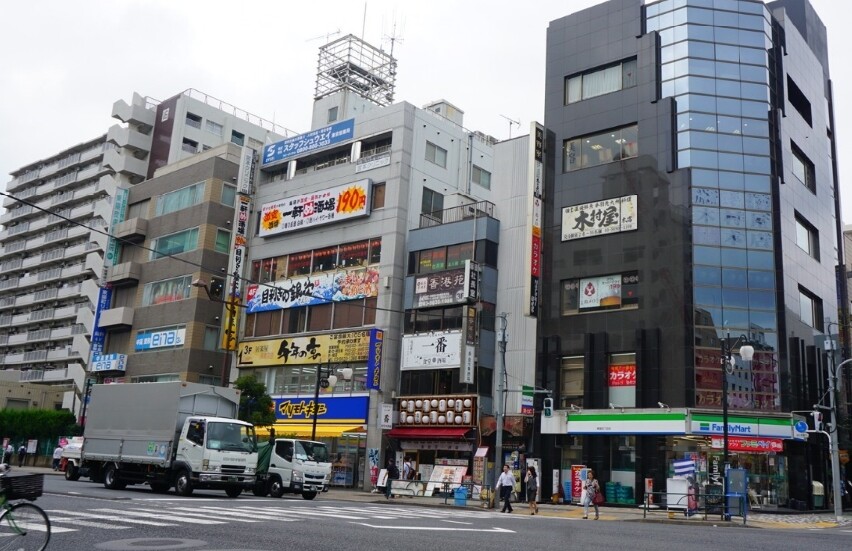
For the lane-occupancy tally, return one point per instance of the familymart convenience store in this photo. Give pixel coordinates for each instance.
(626, 446)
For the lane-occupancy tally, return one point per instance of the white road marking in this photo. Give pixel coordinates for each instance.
(87, 523)
(455, 521)
(136, 513)
(118, 518)
(438, 528)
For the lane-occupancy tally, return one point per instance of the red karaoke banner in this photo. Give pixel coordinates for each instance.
(622, 375)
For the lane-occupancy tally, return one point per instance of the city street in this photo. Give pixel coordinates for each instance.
(84, 515)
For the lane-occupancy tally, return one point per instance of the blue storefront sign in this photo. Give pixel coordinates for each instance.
(98, 334)
(310, 141)
(329, 409)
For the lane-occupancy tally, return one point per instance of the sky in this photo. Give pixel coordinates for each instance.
(63, 64)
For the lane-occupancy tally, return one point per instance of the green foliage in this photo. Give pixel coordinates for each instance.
(40, 424)
(256, 406)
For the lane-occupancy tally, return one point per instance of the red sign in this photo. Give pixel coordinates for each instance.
(535, 266)
(577, 476)
(749, 445)
(622, 375)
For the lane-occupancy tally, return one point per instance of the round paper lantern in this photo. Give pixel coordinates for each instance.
(434, 403)
(442, 420)
(467, 402)
(418, 404)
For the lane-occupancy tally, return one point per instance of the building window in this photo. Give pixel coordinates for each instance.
(211, 337)
(378, 200)
(223, 241)
(810, 309)
(238, 137)
(481, 177)
(436, 154)
(571, 391)
(621, 378)
(175, 243)
(332, 115)
(190, 146)
(799, 101)
(229, 195)
(433, 202)
(807, 236)
(803, 168)
(167, 290)
(180, 199)
(594, 294)
(600, 81)
(213, 127)
(597, 149)
(217, 286)
(193, 120)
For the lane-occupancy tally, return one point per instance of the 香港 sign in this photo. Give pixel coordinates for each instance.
(109, 362)
(622, 375)
(148, 340)
(749, 445)
(315, 209)
(284, 150)
(350, 346)
(432, 350)
(329, 409)
(447, 287)
(599, 218)
(322, 288)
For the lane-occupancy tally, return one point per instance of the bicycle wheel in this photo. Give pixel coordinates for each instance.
(24, 527)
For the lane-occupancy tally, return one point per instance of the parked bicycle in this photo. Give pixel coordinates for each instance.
(23, 526)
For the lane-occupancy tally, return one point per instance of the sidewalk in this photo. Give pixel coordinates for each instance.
(807, 520)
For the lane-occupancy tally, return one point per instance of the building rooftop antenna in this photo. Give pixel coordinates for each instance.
(511, 122)
(326, 36)
(394, 38)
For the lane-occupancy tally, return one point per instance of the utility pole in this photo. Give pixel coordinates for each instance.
(832, 433)
(502, 339)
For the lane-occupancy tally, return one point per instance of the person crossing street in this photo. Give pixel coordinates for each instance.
(506, 483)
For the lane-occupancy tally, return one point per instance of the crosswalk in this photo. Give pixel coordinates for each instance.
(157, 514)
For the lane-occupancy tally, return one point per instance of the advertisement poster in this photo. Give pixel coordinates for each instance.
(602, 291)
(622, 375)
(315, 209)
(317, 289)
(349, 346)
(578, 475)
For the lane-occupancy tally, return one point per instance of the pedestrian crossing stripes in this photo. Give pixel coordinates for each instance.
(159, 515)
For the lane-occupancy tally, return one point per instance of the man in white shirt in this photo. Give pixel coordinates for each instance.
(506, 483)
(57, 457)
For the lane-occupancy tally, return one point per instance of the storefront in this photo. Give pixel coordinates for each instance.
(613, 441)
(341, 423)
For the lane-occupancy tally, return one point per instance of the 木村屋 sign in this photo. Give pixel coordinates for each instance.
(599, 218)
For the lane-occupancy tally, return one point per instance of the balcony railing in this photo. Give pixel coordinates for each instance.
(482, 209)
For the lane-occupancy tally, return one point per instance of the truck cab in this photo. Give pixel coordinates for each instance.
(296, 466)
(217, 453)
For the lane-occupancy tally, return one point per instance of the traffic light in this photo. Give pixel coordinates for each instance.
(817, 415)
(548, 407)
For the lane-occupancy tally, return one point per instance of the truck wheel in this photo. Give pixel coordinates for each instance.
(72, 472)
(309, 495)
(233, 491)
(183, 484)
(260, 489)
(276, 488)
(159, 487)
(111, 479)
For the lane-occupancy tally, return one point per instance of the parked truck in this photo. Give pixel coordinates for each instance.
(292, 466)
(171, 434)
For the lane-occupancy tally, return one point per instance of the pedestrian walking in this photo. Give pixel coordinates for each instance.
(22, 454)
(8, 453)
(393, 474)
(531, 481)
(591, 488)
(57, 457)
(506, 483)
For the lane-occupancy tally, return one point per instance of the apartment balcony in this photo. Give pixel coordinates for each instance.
(125, 274)
(125, 164)
(135, 114)
(130, 139)
(134, 230)
(16, 214)
(47, 375)
(116, 318)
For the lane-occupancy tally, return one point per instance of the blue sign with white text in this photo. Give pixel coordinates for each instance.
(333, 409)
(307, 142)
(98, 334)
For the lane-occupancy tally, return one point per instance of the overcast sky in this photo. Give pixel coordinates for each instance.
(63, 64)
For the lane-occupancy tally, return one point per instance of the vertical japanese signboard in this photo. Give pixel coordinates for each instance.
(239, 240)
(536, 195)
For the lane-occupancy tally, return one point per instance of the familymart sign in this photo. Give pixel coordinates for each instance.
(741, 426)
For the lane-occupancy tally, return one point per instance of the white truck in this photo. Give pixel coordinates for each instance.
(171, 434)
(292, 466)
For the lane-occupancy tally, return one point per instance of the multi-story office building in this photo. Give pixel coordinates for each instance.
(694, 202)
(54, 241)
(374, 261)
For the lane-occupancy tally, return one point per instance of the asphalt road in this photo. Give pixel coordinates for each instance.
(85, 515)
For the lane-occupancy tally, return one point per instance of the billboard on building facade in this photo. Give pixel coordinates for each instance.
(438, 350)
(308, 142)
(323, 288)
(349, 346)
(599, 218)
(315, 209)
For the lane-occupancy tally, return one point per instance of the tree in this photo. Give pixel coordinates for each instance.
(256, 406)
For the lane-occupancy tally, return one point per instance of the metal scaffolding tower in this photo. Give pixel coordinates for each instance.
(350, 63)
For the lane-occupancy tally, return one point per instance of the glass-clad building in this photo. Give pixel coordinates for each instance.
(692, 210)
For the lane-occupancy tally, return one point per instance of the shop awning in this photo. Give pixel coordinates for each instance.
(304, 430)
(439, 433)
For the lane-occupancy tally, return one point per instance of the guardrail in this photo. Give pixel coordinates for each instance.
(706, 504)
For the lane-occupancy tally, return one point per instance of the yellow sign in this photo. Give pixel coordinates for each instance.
(351, 346)
(229, 328)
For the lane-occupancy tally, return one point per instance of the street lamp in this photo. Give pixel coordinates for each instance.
(325, 378)
(232, 324)
(728, 362)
